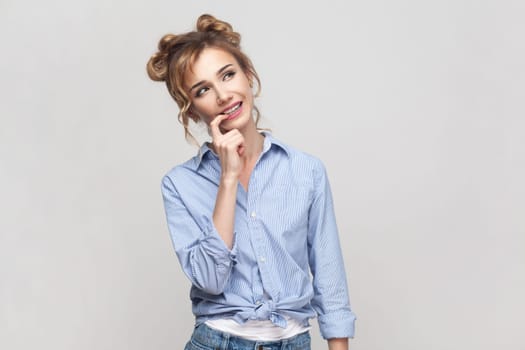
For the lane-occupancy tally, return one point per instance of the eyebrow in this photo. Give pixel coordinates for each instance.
(218, 73)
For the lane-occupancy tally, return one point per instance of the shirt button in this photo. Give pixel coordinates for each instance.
(253, 215)
(262, 259)
(258, 302)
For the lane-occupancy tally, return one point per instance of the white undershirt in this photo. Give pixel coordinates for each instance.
(262, 330)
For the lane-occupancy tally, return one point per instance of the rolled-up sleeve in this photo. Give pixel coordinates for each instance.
(331, 300)
(203, 255)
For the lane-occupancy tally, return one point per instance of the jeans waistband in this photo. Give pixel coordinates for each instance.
(215, 339)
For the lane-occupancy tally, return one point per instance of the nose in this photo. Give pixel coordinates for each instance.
(222, 96)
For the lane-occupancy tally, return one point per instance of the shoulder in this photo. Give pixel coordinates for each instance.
(297, 156)
(181, 173)
(303, 161)
(303, 167)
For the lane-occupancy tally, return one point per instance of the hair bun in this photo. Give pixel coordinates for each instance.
(208, 23)
(157, 67)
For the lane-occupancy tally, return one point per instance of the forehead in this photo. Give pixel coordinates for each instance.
(207, 64)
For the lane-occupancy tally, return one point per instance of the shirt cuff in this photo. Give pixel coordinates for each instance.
(215, 246)
(339, 324)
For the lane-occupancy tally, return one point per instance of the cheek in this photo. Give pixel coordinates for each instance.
(203, 118)
(202, 108)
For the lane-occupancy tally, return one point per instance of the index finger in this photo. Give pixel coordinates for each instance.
(214, 125)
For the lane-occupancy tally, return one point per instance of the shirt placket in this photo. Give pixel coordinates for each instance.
(259, 243)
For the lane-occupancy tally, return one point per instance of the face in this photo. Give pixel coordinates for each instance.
(217, 85)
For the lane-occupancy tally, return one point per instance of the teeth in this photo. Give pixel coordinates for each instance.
(233, 109)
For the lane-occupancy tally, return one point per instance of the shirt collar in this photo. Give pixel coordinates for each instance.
(205, 152)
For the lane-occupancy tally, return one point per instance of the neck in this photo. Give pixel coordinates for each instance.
(253, 143)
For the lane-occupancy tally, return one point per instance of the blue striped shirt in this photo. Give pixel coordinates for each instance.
(285, 260)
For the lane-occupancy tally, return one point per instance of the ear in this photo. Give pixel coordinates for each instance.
(249, 76)
(252, 80)
(193, 115)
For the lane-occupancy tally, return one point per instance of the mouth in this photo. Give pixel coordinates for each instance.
(233, 110)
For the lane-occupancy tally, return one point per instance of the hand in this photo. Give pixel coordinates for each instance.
(338, 344)
(229, 146)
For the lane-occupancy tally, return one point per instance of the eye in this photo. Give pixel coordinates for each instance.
(228, 75)
(201, 91)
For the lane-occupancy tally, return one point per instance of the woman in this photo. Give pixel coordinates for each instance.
(251, 219)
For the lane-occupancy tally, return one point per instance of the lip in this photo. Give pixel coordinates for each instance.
(234, 114)
(230, 107)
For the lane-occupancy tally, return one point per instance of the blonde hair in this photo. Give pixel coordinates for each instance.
(177, 54)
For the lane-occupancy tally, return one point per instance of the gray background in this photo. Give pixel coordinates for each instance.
(416, 108)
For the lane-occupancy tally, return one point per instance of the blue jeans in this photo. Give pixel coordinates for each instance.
(206, 338)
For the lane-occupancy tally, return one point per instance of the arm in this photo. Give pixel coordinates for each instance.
(206, 251)
(204, 256)
(224, 212)
(228, 147)
(331, 301)
(338, 344)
